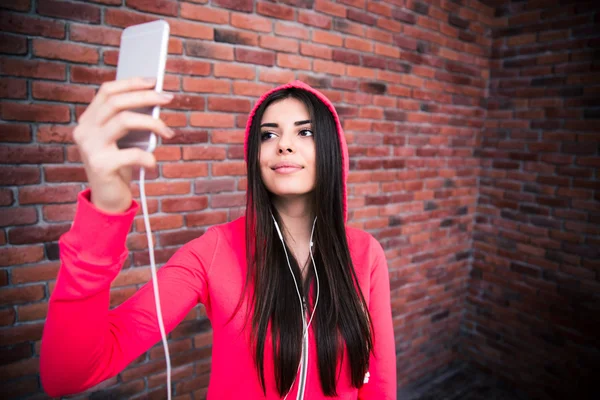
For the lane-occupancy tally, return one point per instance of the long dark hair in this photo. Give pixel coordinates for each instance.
(342, 315)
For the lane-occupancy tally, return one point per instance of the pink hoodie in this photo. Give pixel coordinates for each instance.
(85, 343)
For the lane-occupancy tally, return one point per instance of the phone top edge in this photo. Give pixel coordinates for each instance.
(146, 27)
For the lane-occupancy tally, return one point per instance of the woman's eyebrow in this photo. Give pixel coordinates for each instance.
(274, 125)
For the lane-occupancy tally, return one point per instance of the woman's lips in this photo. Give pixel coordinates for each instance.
(287, 170)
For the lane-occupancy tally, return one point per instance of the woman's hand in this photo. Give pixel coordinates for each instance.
(104, 122)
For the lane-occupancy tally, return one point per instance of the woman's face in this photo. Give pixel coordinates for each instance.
(287, 149)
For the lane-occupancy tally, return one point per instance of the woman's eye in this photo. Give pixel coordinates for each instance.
(265, 135)
(306, 132)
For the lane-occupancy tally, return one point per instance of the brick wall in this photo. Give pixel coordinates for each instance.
(533, 310)
(409, 79)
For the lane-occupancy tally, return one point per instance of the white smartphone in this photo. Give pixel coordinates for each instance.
(143, 53)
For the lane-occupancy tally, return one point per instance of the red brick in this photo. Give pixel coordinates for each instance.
(6, 197)
(227, 200)
(355, 3)
(329, 67)
(18, 5)
(30, 154)
(279, 44)
(351, 28)
(162, 188)
(160, 223)
(164, 7)
(375, 62)
(89, 75)
(21, 294)
(175, 46)
(206, 85)
(251, 22)
(360, 72)
(228, 104)
(202, 153)
(19, 175)
(293, 62)
(191, 29)
(236, 37)
(275, 10)
(36, 234)
(48, 194)
(64, 173)
(291, 30)
(182, 204)
(203, 13)
(358, 44)
(21, 333)
(18, 216)
(249, 88)
(228, 168)
(12, 44)
(214, 185)
(61, 92)
(227, 136)
(275, 75)
(11, 88)
(317, 51)
(362, 17)
(187, 67)
(95, 34)
(187, 102)
(7, 316)
(72, 11)
(59, 212)
(330, 8)
(212, 120)
(210, 50)
(388, 51)
(313, 19)
(65, 51)
(35, 112)
(32, 312)
(234, 70)
(30, 25)
(124, 18)
(266, 58)
(323, 37)
(379, 35)
(237, 5)
(379, 8)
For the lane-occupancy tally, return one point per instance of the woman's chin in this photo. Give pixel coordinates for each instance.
(290, 191)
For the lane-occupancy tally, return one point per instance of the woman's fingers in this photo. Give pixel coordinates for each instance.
(129, 101)
(126, 121)
(108, 89)
(134, 157)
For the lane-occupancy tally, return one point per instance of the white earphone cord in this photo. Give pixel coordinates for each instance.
(305, 325)
(161, 325)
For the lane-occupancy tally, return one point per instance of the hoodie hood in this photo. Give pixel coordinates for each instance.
(340, 133)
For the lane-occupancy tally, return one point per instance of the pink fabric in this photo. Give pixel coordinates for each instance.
(85, 343)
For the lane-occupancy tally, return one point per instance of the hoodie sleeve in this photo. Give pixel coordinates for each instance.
(85, 343)
(382, 363)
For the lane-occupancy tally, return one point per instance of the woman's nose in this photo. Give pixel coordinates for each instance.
(285, 145)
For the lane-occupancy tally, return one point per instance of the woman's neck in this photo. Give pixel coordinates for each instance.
(297, 216)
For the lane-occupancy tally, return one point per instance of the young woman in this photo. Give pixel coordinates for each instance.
(289, 263)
